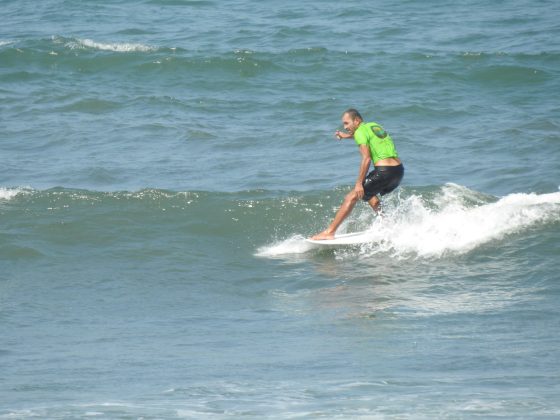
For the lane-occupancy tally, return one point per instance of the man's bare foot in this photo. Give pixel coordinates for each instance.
(322, 236)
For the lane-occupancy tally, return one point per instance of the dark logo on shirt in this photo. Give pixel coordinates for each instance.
(379, 132)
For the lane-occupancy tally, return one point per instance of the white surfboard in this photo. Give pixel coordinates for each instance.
(355, 238)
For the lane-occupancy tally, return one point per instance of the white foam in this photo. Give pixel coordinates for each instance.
(457, 228)
(293, 245)
(116, 47)
(9, 193)
(5, 42)
(455, 221)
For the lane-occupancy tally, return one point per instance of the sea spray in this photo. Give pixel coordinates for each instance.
(448, 223)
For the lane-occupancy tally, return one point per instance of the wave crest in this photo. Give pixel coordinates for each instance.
(115, 46)
(9, 193)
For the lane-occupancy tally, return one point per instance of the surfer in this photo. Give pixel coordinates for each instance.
(376, 145)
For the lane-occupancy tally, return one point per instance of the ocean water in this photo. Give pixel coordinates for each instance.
(162, 161)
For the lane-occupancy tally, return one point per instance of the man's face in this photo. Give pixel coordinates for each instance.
(349, 124)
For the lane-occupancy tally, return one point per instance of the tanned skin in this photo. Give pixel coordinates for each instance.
(351, 125)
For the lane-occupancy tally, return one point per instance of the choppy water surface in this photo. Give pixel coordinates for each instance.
(162, 162)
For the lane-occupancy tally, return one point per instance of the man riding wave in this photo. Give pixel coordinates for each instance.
(376, 146)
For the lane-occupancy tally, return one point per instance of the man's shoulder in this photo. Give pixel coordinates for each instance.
(366, 128)
(362, 134)
(369, 131)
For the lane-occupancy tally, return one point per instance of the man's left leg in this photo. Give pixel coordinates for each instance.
(343, 212)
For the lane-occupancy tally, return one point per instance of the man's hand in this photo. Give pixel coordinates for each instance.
(359, 190)
(342, 135)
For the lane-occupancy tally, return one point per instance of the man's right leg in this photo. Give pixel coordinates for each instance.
(375, 204)
(343, 212)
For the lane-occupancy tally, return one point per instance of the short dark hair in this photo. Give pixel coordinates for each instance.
(353, 113)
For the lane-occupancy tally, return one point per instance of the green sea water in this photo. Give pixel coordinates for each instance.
(162, 162)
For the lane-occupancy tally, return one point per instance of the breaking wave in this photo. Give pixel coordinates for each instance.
(427, 222)
(454, 220)
(114, 46)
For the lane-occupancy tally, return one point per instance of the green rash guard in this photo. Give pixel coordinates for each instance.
(380, 143)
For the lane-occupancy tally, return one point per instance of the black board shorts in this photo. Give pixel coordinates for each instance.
(382, 180)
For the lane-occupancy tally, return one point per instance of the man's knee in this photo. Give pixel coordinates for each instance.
(351, 197)
(374, 202)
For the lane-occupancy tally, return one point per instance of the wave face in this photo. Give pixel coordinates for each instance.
(429, 223)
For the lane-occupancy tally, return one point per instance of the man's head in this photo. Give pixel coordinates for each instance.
(351, 119)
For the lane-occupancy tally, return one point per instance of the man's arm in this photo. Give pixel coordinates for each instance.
(364, 166)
